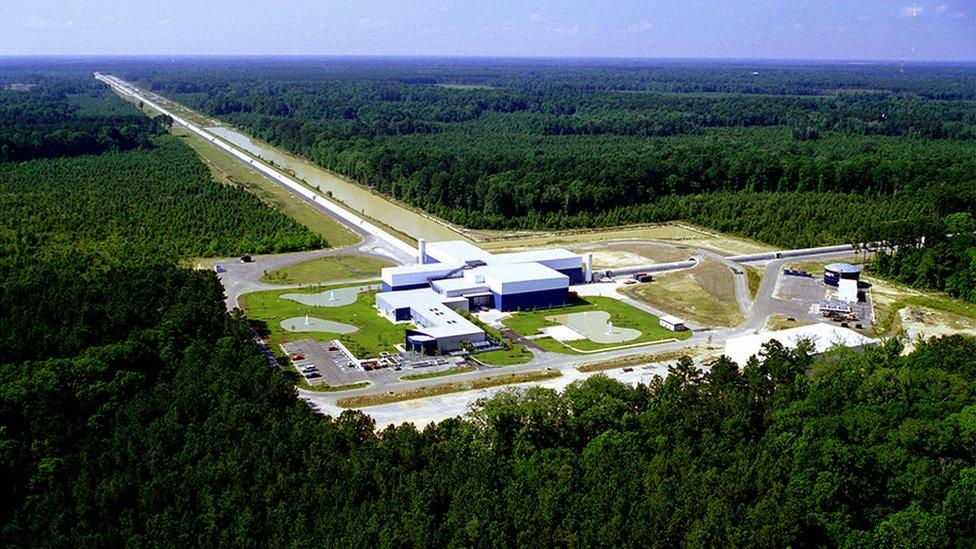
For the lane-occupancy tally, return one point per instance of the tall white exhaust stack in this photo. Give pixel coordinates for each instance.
(421, 250)
(588, 272)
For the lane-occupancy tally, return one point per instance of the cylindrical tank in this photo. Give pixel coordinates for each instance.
(834, 272)
(588, 269)
(421, 250)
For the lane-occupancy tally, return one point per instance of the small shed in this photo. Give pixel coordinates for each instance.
(673, 323)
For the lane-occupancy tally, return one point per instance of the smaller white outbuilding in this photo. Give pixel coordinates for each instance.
(824, 337)
(847, 290)
(672, 323)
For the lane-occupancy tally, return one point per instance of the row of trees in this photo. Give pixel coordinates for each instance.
(171, 429)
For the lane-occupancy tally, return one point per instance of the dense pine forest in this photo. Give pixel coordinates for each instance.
(171, 430)
(794, 155)
(84, 170)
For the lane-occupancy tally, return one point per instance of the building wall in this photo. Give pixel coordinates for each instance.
(531, 300)
(575, 275)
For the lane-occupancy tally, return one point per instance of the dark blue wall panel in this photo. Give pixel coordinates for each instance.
(531, 300)
(575, 275)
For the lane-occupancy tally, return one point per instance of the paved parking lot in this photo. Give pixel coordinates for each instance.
(799, 297)
(332, 365)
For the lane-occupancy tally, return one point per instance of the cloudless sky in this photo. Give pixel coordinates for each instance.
(896, 30)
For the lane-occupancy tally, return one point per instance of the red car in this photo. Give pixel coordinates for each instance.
(297, 356)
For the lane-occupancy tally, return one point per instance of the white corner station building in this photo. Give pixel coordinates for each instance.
(457, 275)
(824, 337)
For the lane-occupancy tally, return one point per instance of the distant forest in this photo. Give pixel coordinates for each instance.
(84, 170)
(793, 155)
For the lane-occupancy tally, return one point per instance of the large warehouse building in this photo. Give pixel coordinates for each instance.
(458, 275)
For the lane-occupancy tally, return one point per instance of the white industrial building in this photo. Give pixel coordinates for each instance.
(459, 275)
(439, 328)
(823, 336)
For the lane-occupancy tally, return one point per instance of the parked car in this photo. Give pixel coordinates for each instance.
(220, 268)
(297, 356)
(312, 375)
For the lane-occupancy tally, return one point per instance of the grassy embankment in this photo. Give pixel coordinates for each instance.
(704, 294)
(622, 315)
(327, 269)
(754, 277)
(440, 373)
(361, 401)
(641, 360)
(375, 333)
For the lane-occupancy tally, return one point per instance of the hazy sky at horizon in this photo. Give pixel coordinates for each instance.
(769, 29)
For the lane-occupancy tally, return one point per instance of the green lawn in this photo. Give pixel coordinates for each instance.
(327, 269)
(375, 333)
(518, 354)
(621, 314)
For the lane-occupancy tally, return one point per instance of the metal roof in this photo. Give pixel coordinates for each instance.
(843, 268)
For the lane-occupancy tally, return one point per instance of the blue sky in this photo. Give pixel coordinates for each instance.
(782, 29)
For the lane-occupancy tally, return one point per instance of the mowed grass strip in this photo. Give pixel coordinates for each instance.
(376, 334)
(622, 315)
(518, 354)
(639, 360)
(363, 401)
(704, 294)
(229, 170)
(327, 269)
(439, 373)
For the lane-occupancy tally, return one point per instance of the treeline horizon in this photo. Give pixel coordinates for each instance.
(824, 155)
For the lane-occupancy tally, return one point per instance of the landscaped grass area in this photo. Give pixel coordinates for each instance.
(327, 269)
(376, 399)
(440, 373)
(232, 171)
(704, 294)
(375, 333)
(622, 315)
(518, 354)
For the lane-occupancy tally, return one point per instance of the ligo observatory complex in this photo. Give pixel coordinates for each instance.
(459, 276)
